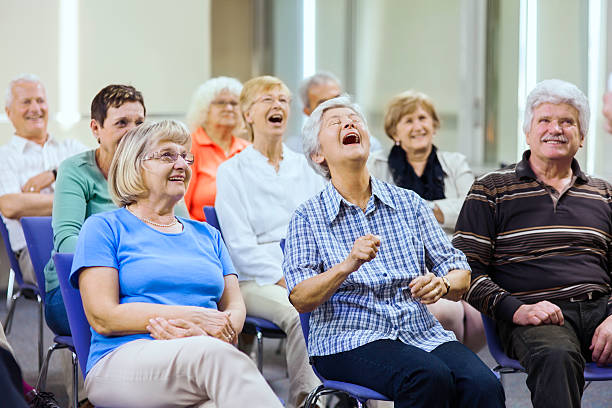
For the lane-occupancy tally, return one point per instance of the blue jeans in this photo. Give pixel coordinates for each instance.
(449, 376)
(55, 312)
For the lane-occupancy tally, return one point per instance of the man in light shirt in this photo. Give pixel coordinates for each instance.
(29, 162)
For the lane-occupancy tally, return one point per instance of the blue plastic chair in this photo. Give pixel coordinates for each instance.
(38, 233)
(507, 365)
(256, 326)
(359, 393)
(26, 291)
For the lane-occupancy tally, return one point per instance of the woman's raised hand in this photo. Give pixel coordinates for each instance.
(364, 250)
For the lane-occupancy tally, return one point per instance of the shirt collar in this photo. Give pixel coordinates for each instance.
(201, 137)
(332, 198)
(523, 169)
(21, 143)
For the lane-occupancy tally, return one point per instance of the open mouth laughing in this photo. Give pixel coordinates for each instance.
(351, 137)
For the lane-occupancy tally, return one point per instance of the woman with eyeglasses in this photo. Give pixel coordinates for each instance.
(257, 192)
(160, 291)
(215, 120)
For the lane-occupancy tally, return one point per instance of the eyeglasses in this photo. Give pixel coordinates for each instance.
(171, 157)
(223, 103)
(269, 100)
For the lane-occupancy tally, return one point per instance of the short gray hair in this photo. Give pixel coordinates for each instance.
(205, 94)
(8, 99)
(312, 128)
(313, 80)
(125, 180)
(556, 91)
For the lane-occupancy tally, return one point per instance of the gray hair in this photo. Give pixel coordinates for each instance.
(313, 80)
(125, 178)
(556, 91)
(8, 99)
(312, 128)
(205, 94)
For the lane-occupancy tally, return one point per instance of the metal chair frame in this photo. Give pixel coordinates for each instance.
(359, 393)
(38, 233)
(25, 291)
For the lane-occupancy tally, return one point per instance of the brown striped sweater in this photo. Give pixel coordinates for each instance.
(526, 243)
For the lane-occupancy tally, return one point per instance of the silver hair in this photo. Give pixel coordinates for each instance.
(8, 99)
(312, 128)
(313, 80)
(205, 94)
(556, 91)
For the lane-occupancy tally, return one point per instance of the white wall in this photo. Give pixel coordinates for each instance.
(163, 51)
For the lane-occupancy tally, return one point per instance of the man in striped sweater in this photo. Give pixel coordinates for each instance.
(538, 237)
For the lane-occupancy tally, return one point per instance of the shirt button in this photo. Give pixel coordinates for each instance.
(385, 275)
(395, 327)
(388, 302)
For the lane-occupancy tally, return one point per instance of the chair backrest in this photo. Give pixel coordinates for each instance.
(79, 326)
(9, 251)
(38, 233)
(211, 217)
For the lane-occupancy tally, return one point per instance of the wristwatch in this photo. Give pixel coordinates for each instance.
(447, 284)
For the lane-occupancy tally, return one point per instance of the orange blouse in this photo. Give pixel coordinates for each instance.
(203, 185)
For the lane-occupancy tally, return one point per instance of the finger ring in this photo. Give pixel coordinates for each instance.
(32, 189)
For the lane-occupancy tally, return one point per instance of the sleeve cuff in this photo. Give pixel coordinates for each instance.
(506, 308)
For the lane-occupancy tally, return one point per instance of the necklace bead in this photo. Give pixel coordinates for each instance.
(148, 221)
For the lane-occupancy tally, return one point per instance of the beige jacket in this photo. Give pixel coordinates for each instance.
(458, 179)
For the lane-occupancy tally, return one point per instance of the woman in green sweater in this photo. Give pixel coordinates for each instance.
(81, 188)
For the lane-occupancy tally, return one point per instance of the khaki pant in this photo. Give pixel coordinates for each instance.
(196, 371)
(271, 302)
(25, 264)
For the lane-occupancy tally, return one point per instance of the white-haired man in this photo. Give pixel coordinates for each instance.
(29, 162)
(538, 238)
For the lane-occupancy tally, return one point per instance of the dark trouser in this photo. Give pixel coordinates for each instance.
(11, 388)
(449, 376)
(554, 356)
(55, 312)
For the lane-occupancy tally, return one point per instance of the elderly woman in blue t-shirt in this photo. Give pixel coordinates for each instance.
(160, 291)
(358, 257)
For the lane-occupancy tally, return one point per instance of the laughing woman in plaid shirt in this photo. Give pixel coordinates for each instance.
(357, 257)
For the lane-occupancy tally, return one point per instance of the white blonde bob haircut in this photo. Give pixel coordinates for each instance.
(125, 176)
(312, 128)
(556, 91)
(205, 94)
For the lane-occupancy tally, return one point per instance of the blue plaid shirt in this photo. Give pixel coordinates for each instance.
(374, 302)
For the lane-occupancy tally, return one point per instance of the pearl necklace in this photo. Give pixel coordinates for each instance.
(148, 221)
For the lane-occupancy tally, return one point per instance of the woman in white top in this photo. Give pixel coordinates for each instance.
(441, 178)
(257, 192)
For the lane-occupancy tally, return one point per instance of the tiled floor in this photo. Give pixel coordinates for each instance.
(23, 339)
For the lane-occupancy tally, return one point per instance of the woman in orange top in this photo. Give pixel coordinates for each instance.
(214, 118)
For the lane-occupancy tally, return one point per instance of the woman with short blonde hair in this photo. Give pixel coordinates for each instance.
(257, 191)
(160, 291)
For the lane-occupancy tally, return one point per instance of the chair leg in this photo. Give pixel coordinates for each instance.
(279, 349)
(41, 382)
(313, 397)
(586, 385)
(75, 380)
(40, 331)
(9, 289)
(9, 317)
(259, 337)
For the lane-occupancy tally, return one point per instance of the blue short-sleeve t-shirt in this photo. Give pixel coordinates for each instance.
(186, 269)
